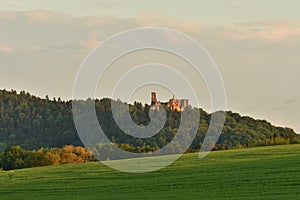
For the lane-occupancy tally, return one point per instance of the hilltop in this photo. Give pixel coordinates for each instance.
(34, 122)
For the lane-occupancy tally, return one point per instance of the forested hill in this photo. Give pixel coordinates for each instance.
(33, 122)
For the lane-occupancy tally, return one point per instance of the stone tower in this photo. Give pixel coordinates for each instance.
(153, 98)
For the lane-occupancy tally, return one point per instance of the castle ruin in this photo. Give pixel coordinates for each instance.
(173, 104)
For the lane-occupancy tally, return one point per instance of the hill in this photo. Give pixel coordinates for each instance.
(34, 122)
(265, 173)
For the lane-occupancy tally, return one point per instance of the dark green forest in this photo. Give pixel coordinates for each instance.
(32, 122)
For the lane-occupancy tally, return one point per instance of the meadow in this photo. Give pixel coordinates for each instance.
(254, 173)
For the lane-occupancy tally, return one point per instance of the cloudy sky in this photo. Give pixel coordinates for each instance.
(256, 45)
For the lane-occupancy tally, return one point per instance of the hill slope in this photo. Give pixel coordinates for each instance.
(33, 122)
(255, 173)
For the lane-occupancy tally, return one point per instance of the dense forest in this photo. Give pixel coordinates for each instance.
(33, 122)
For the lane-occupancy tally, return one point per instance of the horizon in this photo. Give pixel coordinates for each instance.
(149, 104)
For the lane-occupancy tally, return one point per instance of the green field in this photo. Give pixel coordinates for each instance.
(256, 173)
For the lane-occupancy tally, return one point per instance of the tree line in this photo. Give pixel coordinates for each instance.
(15, 157)
(34, 123)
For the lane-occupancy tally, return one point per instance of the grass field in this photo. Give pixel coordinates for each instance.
(256, 173)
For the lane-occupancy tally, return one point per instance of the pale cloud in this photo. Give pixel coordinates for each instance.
(5, 48)
(274, 31)
(169, 22)
(40, 16)
(36, 30)
(91, 42)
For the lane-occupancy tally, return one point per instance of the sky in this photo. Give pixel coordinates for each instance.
(255, 44)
